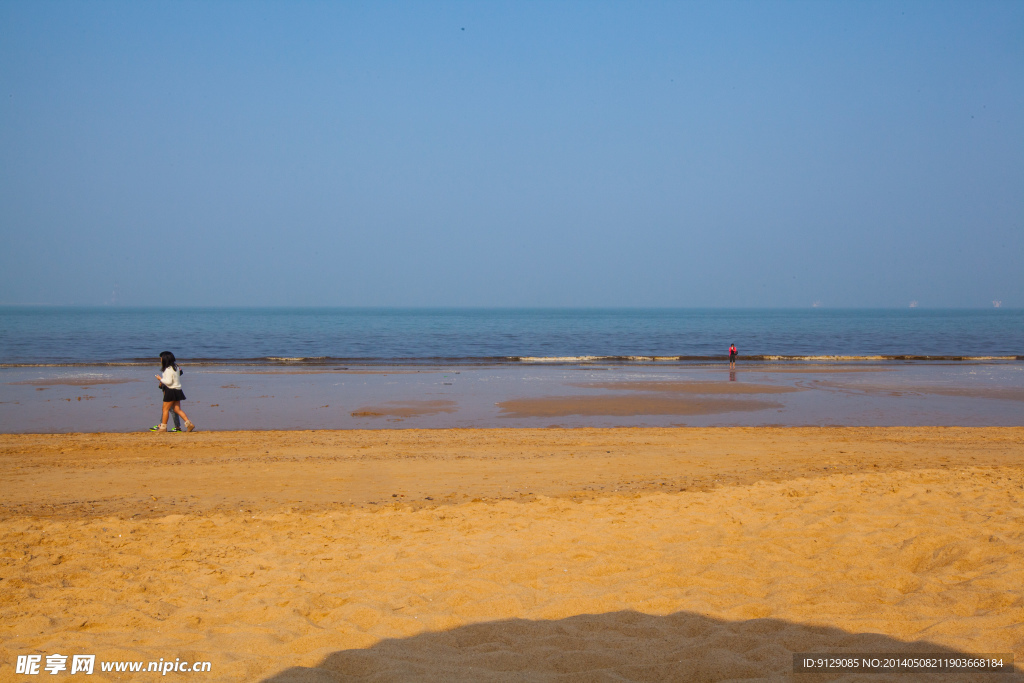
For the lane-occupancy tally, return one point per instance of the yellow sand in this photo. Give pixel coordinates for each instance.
(521, 567)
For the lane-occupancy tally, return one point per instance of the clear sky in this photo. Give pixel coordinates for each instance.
(512, 154)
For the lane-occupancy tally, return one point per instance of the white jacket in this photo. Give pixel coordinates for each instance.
(171, 378)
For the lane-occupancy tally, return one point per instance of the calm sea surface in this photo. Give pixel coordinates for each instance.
(46, 335)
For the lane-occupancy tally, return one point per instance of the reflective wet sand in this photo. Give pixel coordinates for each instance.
(524, 395)
(625, 406)
(704, 388)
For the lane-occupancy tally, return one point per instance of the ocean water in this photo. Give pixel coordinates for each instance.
(89, 336)
(74, 369)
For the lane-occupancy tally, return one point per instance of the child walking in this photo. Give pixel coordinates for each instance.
(170, 382)
(174, 416)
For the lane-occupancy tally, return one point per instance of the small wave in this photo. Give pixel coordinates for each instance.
(826, 358)
(882, 358)
(604, 359)
(557, 359)
(314, 361)
(756, 358)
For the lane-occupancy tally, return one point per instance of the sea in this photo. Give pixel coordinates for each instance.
(92, 369)
(50, 335)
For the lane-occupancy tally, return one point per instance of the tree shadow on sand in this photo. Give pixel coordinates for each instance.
(618, 646)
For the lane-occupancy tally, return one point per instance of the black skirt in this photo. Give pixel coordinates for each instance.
(173, 395)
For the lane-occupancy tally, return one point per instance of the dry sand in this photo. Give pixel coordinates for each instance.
(575, 555)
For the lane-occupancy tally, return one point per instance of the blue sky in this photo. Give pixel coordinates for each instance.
(512, 154)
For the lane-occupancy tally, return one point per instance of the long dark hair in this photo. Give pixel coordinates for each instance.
(167, 360)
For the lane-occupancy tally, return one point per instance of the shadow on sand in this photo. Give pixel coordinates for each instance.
(618, 646)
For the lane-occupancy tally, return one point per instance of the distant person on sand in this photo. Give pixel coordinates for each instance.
(170, 382)
(732, 356)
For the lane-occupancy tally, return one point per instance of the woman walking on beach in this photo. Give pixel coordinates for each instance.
(170, 382)
(732, 356)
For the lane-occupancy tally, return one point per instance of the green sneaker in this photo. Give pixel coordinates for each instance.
(173, 429)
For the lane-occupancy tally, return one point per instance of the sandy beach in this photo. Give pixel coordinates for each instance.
(512, 554)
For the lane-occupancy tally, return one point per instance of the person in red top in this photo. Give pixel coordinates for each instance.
(732, 356)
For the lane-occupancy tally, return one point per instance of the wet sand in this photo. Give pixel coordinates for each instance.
(702, 388)
(80, 382)
(548, 554)
(403, 409)
(319, 371)
(810, 369)
(625, 406)
(48, 400)
(998, 393)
